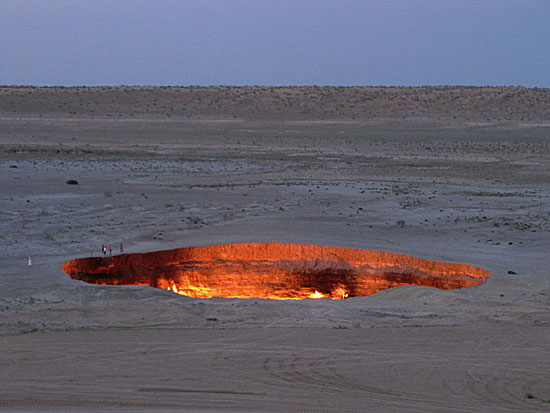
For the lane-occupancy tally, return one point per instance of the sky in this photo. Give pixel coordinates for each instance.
(275, 42)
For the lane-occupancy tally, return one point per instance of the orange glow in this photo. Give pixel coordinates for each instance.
(273, 271)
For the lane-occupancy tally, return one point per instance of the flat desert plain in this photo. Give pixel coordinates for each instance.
(453, 174)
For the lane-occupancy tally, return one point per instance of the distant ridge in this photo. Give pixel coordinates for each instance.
(279, 103)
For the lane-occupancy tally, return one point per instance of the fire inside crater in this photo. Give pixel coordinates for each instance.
(273, 271)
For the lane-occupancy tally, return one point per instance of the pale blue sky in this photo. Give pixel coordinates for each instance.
(275, 42)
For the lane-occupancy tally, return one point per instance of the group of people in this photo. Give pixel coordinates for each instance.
(105, 248)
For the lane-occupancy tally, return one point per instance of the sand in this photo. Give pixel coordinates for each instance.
(446, 183)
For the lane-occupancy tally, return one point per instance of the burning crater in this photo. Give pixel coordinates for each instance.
(273, 270)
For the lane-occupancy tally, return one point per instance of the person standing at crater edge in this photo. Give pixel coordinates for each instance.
(110, 250)
(121, 248)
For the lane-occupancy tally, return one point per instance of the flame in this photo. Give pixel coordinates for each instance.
(316, 295)
(203, 292)
(339, 293)
(191, 291)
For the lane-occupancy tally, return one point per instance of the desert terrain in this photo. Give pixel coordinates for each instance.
(456, 174)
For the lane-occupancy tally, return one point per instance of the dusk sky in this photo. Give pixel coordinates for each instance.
(275, 42)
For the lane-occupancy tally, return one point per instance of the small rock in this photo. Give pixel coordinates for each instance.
(72, 182)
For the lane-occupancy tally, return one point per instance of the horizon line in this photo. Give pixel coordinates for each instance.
(269, 86)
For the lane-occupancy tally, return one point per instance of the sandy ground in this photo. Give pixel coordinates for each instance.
(469, 192)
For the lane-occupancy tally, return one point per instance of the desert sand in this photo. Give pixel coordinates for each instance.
(451, 174)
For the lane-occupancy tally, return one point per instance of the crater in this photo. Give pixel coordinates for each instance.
(273, 271)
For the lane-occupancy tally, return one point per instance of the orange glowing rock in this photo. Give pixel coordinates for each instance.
(273, 270)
